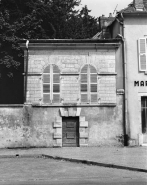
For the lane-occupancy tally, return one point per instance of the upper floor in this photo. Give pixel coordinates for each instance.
(77, 72)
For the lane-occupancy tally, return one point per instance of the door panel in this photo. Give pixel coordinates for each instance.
(70, 131)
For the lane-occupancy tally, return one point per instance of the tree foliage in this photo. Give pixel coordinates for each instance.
(39, 19)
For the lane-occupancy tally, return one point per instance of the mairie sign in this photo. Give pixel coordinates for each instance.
(140, 83)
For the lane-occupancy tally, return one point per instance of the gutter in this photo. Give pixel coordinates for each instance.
(136, 13)
(26, 72)
(70, 41)
(125, 84)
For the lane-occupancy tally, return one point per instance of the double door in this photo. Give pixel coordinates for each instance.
(70, 131)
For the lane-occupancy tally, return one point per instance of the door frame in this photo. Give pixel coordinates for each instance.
(83, 126)
(73, 119)
(140, 134)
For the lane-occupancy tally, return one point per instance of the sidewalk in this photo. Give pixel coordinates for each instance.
(131, 158)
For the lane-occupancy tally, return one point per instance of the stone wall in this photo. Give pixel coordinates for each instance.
(37, 126)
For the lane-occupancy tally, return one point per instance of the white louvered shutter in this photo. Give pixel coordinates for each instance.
(93, 85)
(142, 55)
(46, 85)
(56, 85)
(84, 84)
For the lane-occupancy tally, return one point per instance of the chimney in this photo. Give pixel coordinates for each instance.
(110, 14)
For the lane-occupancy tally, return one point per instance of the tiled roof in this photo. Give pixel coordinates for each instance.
(134, 6)
(128, 9)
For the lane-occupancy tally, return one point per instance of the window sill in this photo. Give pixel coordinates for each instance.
(11, 105)
(74, 105)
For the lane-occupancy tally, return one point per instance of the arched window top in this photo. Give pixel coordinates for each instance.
(84, 69)
(47, 69)
(56, 69)
(92, 69)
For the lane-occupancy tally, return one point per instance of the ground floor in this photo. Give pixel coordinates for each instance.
(52, 172)
(137, 117)
(66, 126)
(84, 165)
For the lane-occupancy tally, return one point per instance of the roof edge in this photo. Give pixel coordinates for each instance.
(69, 41)
(137, 13)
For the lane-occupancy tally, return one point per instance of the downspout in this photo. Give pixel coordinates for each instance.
(125, 85)
(26, 73)
(125, 82)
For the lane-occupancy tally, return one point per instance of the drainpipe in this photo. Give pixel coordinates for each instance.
(125, 83)
(26, 73)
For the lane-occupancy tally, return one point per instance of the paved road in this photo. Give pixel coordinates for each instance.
(43, 171)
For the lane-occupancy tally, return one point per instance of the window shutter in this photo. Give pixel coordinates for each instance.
(46, 85)
(56, 84)
(93, 84)
(142, 54)
(84, 84)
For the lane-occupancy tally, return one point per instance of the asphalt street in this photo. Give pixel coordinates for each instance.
(44, 171)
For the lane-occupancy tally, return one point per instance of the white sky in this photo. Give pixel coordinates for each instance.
(99, 7)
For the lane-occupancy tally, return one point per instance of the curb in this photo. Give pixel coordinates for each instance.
(21, 156)
(87, 162)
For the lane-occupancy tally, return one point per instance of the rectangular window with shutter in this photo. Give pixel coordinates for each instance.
(142, 54)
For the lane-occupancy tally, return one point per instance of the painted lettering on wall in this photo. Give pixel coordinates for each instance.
(140, 83)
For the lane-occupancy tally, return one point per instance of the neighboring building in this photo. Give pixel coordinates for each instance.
(130, 24)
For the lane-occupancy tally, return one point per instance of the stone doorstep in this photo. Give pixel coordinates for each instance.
(83, 145)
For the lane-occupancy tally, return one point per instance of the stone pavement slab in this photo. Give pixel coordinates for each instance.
(131, 157)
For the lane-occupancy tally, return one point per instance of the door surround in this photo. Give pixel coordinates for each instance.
(83, 126)
(141, 135)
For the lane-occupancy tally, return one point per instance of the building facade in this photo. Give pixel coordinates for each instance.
(130, 24)
(73, 96)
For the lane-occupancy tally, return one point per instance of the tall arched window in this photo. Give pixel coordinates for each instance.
(89, 84)
(51, 84)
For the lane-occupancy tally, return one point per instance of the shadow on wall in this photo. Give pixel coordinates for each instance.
(11, 86)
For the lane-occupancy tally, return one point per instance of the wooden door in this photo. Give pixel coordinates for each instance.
(70, 132)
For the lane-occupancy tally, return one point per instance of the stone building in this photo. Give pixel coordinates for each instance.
(73, 94)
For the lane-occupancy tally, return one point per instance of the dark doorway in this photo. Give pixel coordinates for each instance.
(70, 131)
(144, 114)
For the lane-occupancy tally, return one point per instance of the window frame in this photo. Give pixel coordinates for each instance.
(141, 54)
(51, 84)
(89, 83)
